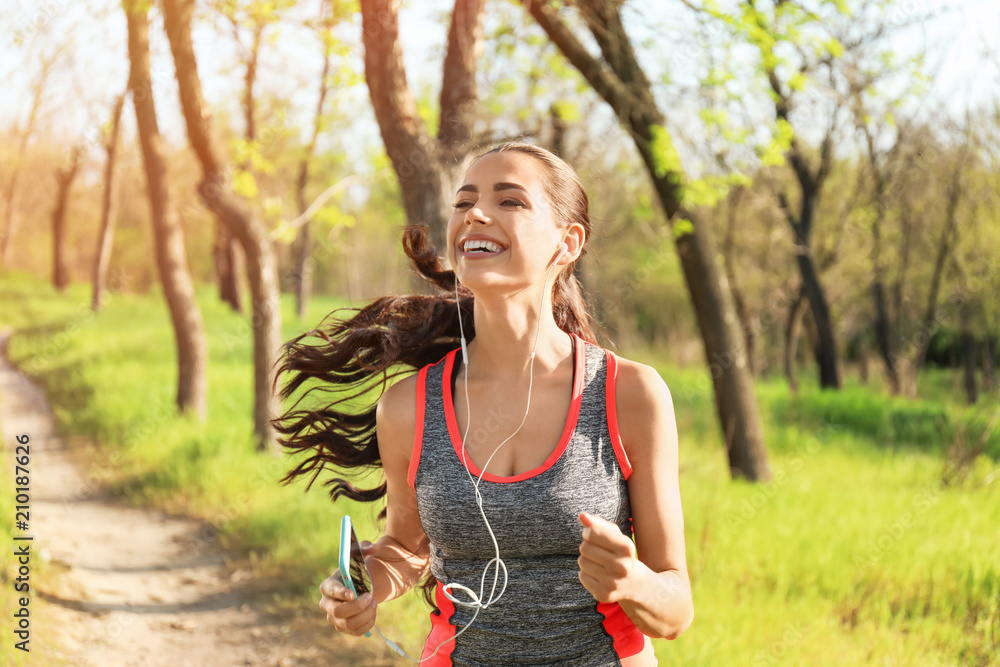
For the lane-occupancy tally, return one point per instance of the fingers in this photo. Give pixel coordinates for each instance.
(607, 581)
(615, 561)
(354, 617)
(607, 559)
(343, 612)
(333, 587)
(606, 535)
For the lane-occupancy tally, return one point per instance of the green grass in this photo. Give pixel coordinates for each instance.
(854, 554)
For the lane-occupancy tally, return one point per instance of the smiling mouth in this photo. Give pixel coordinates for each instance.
(481, 247)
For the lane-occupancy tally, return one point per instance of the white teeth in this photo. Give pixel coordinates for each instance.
(482, 243)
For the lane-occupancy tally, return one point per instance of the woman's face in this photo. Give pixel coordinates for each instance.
(503, 201)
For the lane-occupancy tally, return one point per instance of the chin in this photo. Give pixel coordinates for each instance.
(492, 283)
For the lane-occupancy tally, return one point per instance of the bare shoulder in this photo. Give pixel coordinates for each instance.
(640, 387)
(395, 418)
(643, 402)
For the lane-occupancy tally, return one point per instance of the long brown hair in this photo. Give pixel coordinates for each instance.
(397, 335)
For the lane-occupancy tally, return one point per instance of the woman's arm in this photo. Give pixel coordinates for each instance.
(662, 604)
(650, 583)
(399, 559)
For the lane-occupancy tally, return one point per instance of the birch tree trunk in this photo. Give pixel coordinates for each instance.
(65, 174)
(216, 193)
(425, 165)
(168, 235)
(109, 209)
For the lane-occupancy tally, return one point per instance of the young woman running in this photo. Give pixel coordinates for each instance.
(515, 480)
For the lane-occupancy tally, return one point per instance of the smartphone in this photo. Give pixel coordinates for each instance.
(353, 570)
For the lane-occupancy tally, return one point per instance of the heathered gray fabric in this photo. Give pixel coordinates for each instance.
(546, 616)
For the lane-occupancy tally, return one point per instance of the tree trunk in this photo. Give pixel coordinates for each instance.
(989, 363)
(352, 265)
(949, 234)
(826, 350)
(106, 240)
(9, 202)
(65, 173)
(168, 235)
(424, 165)
(619, 79)
(301, 267)
(232, 212)
(736, 403)
(249, 79)
(728, 254)
(224, 250)
(969, 354)
(882, 325)
(792, 329)
(810, 181)
(899, 286)
(882, 337)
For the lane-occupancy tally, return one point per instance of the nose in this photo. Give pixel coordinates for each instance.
(475, 214)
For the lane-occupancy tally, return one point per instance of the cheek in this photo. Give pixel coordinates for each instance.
(451, 235)
(455, 222)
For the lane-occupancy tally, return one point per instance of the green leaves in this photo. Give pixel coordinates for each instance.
(324, 220)
(664, 154)
(249, 152)
(773, 155)
(332, 217)
(704, 191)
(568, 111)
(244, 184)
(841, 6)
(681, 227)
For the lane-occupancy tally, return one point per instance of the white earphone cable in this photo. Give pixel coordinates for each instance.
(496, 562)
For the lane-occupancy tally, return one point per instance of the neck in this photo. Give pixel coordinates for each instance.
(505, 335)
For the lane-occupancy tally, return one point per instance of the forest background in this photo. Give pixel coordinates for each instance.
(795, 211)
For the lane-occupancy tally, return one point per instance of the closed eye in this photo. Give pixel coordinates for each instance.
(506, 202)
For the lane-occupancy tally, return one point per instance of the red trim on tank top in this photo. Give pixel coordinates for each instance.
(628, 639)
(571, 419)
(418, 432)
(612, 405)
(442, 630)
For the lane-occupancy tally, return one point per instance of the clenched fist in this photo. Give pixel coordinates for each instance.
(607, 560)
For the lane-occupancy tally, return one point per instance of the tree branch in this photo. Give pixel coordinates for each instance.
(604, 81)
(403, 131)
(458, 87)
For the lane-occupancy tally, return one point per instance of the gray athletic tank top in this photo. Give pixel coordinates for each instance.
(546, 616)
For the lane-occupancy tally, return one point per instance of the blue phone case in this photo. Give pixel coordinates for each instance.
(345, 556)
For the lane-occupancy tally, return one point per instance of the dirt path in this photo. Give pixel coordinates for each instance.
(138, 586)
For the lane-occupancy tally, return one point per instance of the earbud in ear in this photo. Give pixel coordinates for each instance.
(563, 249)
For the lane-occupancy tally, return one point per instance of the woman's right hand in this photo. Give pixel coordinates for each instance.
(350, 616)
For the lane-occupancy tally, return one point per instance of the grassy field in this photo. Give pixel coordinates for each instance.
(855, 554)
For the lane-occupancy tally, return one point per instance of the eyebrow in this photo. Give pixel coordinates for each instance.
(497, 187)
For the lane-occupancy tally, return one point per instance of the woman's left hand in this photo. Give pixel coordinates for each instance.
(607, 560)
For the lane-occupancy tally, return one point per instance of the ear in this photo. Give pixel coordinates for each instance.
(574, 236)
